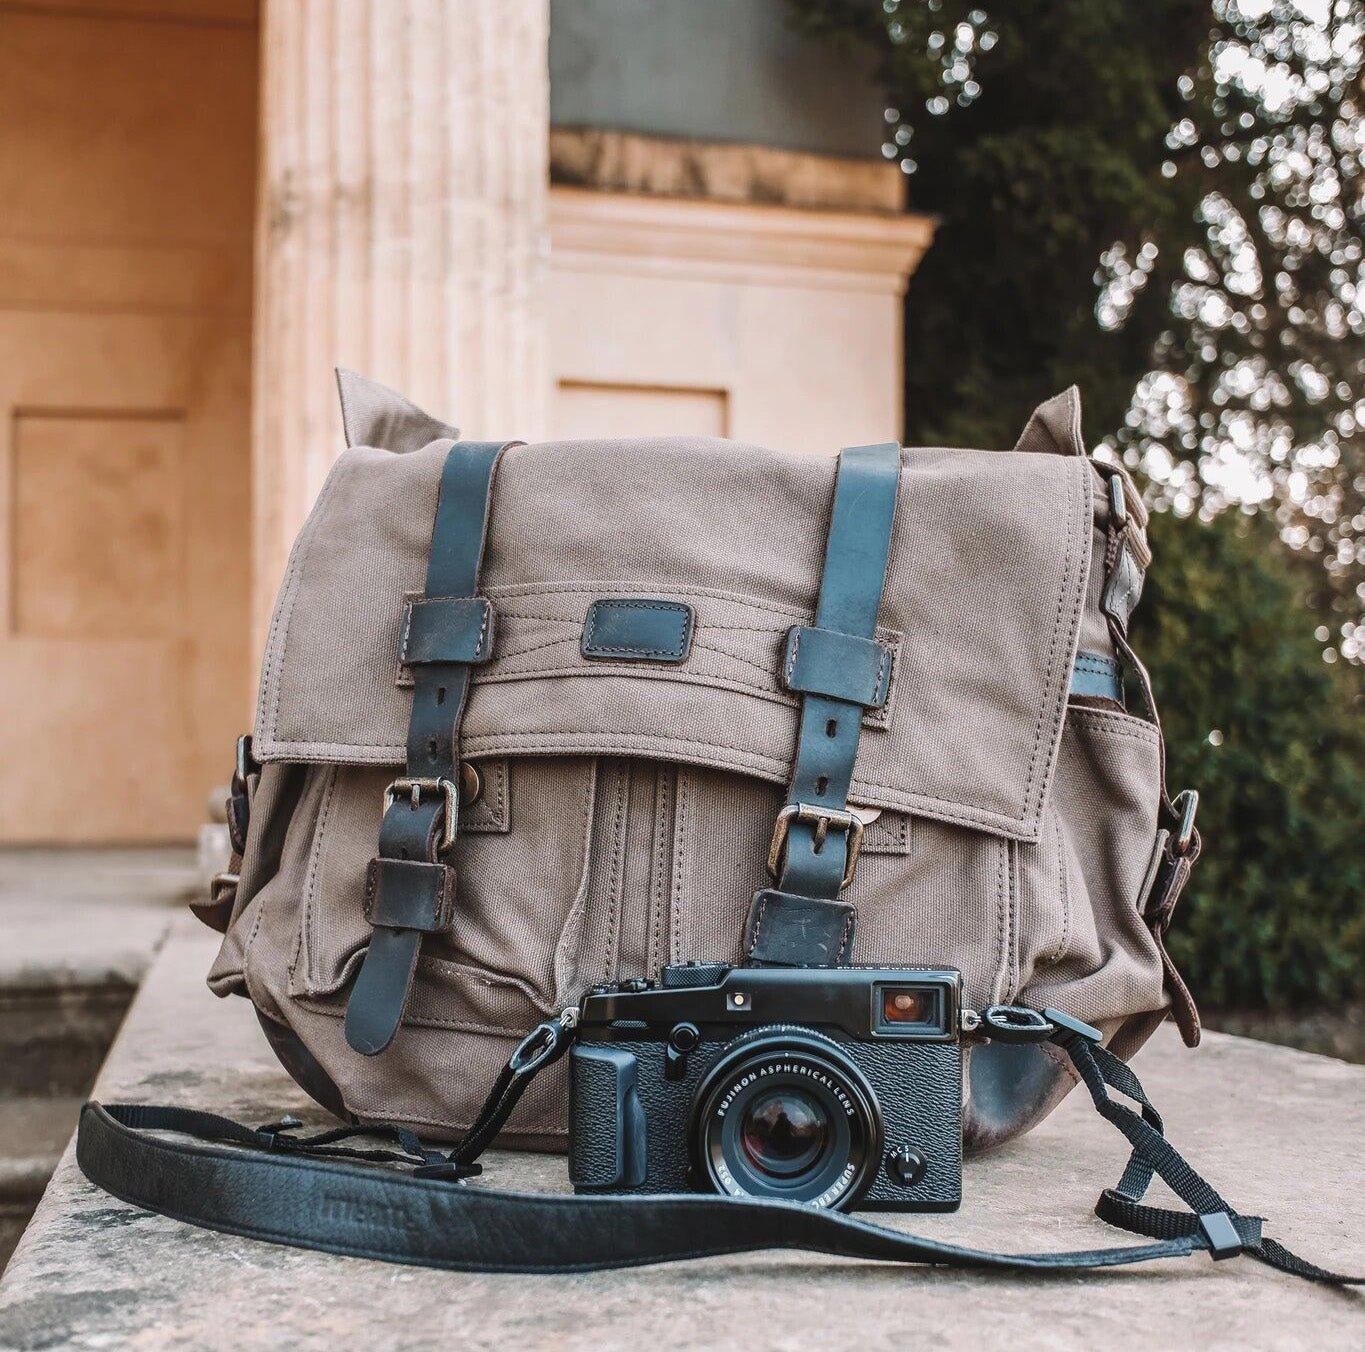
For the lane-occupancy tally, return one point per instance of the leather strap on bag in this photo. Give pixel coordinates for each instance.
(411, 885)
(315, 1193)
(840, 670)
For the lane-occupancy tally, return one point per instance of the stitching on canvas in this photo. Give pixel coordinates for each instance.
(659, 862)
(618, 868)
(1080, 509)
(679, 855)
(1064, 890)
(314, 870)
(1114, 724)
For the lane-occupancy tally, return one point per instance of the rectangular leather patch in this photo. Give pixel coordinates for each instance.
(637, 629)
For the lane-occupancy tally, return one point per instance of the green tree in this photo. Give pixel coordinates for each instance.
(1274, 740)
(1161, 203)
(1200, 162)
(1035, 132)
(1257, 386)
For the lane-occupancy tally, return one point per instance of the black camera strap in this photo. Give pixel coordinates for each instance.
(407, 1203)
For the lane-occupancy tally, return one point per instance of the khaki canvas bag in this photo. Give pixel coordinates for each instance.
(534, 718)
(628, 739)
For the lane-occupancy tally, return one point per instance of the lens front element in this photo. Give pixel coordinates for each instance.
(785, 1113)
(784, 1132)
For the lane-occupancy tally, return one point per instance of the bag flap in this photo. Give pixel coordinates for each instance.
(982, 607)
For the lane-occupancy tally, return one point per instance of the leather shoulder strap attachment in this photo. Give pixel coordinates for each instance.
(411, 884)
(840, 670)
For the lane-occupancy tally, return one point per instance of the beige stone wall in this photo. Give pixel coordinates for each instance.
(399, 160)
(127, 158)
(768, 324)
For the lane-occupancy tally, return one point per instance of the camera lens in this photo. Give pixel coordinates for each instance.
(786, 1113)
(784, 1132)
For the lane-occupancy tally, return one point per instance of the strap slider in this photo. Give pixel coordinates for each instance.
(822, 818)
(1118, 502)
(1015, 1024)
(1067, 1029)
(275, 1133)
(222, 886)
(1187, 804)
(246, 764)
(1221, 1235)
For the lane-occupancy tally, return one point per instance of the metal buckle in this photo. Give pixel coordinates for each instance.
(1187, 804)
(221, 884)
(823, 818)
(246, 763)
(413, 789)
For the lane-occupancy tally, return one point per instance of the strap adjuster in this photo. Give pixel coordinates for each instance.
(246, 764)
(1220, 1234)
(822, 818)
(1187, 804)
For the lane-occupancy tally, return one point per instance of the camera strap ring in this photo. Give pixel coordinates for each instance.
(313, 1193)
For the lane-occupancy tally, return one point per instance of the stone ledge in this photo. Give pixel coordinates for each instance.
(87, 917)
(1278, 1130)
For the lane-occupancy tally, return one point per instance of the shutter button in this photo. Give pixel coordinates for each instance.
(906, 1165)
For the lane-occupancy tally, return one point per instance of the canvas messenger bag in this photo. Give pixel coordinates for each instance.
(536, 717)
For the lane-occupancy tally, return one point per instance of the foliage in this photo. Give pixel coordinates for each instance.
(1199, 161)
(1257, 392)
(1274, 740)
(1046, 151)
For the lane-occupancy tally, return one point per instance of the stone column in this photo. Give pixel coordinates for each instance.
(401, 230)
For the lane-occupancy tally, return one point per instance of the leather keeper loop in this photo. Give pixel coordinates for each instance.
(447, 629)
(838, 666)
(791, 931)
(410, 894)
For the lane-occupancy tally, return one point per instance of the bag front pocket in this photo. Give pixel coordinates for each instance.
(521, 860)
(1103, 962)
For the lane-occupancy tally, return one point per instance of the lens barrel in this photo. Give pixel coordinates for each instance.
(785, 1113)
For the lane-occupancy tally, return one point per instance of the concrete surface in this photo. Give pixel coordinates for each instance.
(33, 1133)
(84, 917)
(78, 930)
(1278, 1130)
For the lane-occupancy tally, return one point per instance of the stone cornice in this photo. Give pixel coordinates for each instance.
(734, 242)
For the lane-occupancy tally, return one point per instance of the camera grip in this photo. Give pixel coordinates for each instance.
(607, 1122)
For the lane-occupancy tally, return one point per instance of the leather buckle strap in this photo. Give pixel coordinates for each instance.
(840, 670)
(411, 894)
(447, 629)
(838, 666)
(446, 632)
(822, 818)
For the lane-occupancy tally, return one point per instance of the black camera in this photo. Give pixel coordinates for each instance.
(832, 1086)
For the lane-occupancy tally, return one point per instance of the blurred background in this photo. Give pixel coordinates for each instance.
(798, 222)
